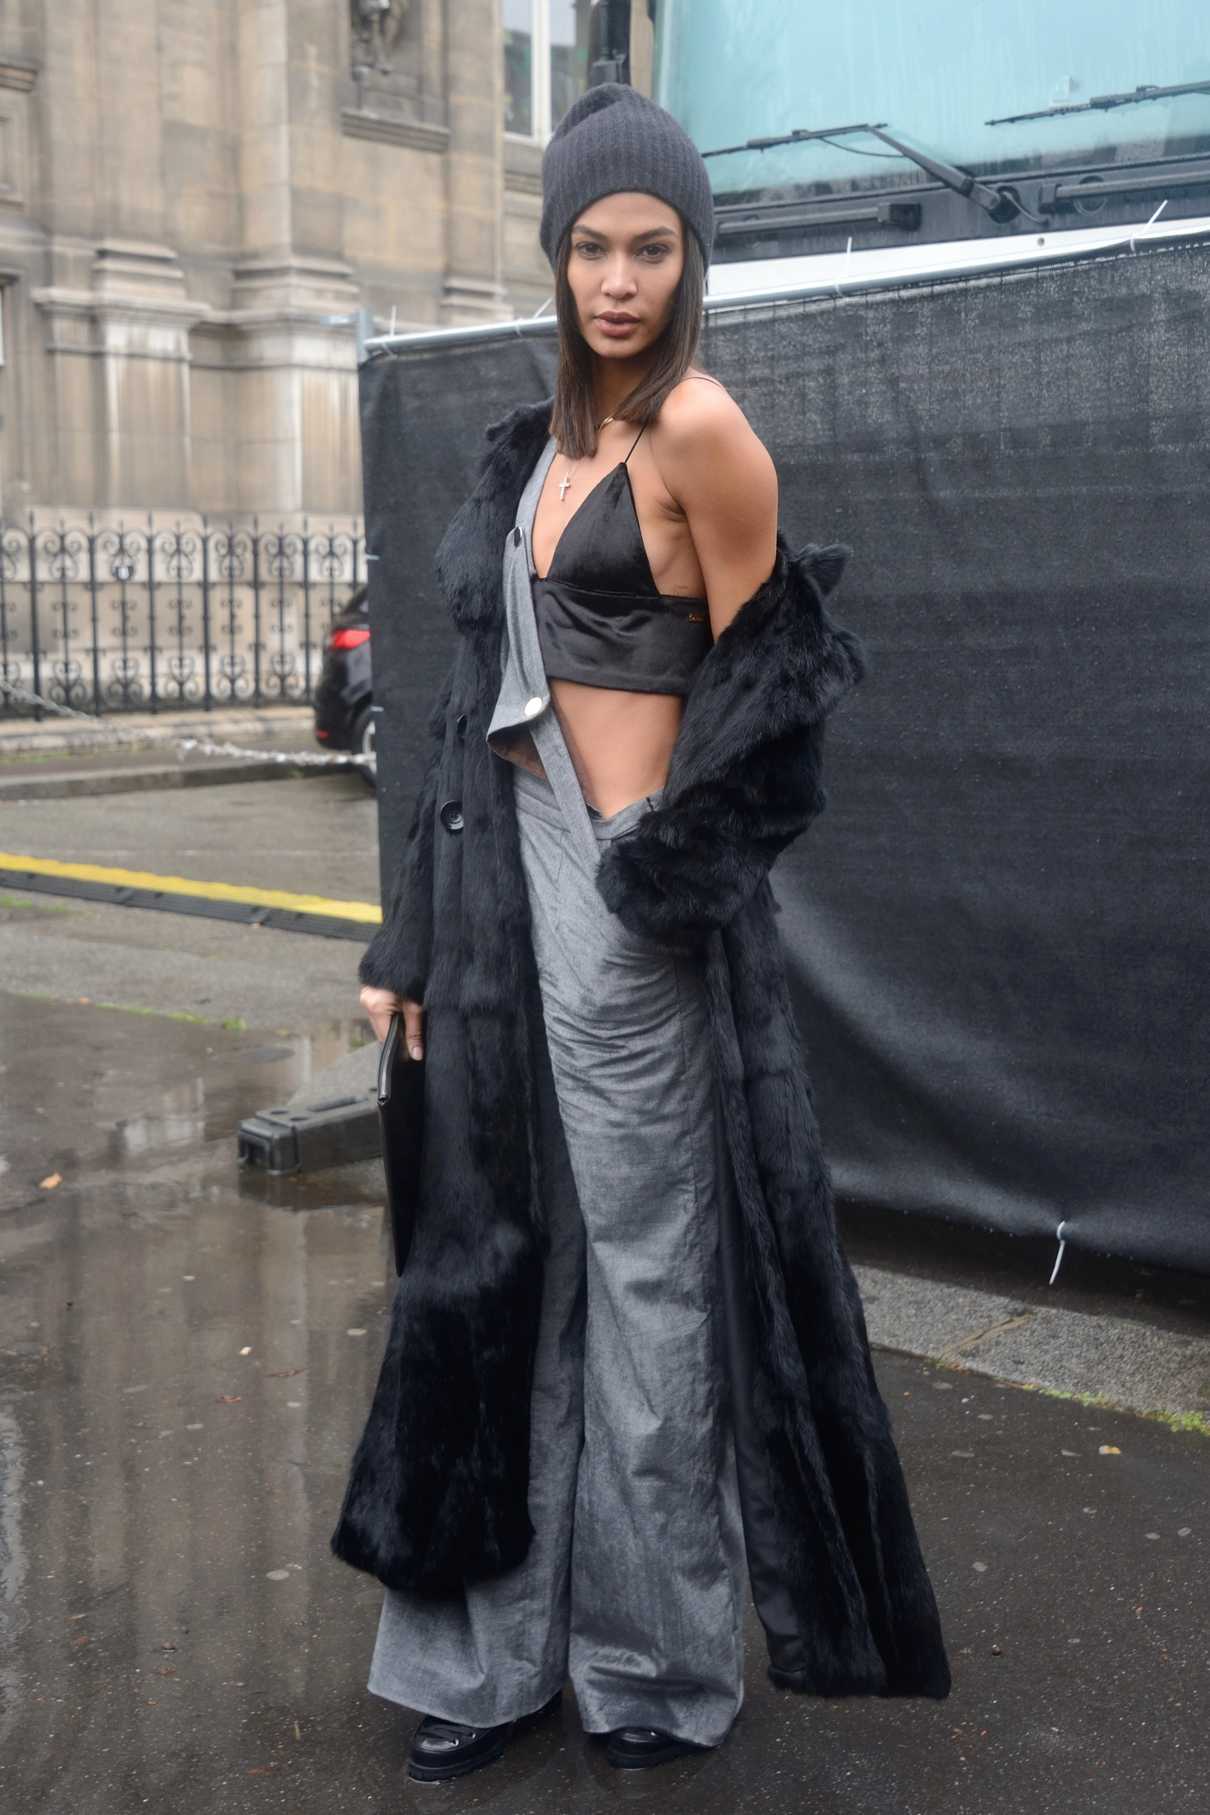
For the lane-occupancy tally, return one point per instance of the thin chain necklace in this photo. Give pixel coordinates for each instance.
(565, 481)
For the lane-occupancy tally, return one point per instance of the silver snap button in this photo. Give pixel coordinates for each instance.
(534, 706)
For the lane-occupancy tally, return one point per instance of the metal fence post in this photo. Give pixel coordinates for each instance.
(34, 638)
(207, 694)
(98, 704)
(153, 691)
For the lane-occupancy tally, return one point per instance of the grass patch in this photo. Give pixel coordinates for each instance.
(232, 1023)
(17, 902)
(159, 1014)
(1176, 1421)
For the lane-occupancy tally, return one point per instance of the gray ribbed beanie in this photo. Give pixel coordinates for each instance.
(614, 138)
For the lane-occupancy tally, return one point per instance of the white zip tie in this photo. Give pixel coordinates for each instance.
(848, 265)
(1062, 1241)
(1155, 217)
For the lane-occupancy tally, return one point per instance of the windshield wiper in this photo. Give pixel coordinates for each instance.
(1001, 204)
(1146, 91)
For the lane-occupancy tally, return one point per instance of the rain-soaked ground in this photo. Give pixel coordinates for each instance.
(185, 1357)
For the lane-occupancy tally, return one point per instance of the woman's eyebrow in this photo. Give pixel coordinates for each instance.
(648, 233)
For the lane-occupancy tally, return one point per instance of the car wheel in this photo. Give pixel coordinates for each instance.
(362, 744)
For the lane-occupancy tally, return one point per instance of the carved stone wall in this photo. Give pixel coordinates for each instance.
(201, 200)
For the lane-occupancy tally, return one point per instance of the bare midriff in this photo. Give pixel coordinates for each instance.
(620, 742)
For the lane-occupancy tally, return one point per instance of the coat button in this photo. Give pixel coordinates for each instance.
(451, 815)
(533, 707)
(460, 724)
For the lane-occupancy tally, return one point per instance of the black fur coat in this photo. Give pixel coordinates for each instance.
(436, 1493)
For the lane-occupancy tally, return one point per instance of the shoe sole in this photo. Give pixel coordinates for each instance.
(630, 1761)
(442, 1773)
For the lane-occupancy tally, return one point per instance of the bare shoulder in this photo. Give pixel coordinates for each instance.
(700, 405)
(702, 434)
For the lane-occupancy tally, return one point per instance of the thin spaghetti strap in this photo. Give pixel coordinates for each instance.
(643, 430)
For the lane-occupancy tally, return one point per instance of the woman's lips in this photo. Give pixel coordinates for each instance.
(617, 328)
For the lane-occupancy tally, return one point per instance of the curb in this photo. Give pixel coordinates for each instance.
(143, 731)
(138, 781)
(1116, 1360)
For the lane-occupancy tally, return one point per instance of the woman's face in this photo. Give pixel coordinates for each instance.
(626, 256)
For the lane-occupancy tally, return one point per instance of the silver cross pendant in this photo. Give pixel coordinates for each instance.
(564, 482)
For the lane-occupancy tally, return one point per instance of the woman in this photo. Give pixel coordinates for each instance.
(628, 1372)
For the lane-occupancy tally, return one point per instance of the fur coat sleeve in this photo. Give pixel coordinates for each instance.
(744, 779)
(397, 957)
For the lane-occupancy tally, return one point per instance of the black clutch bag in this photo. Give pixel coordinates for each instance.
(401, 1119)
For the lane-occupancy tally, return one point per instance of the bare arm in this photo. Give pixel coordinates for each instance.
(720, 473)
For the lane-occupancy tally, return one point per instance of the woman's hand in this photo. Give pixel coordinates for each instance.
(381, 1004)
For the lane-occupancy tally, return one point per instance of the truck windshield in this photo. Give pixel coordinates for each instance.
(737, 69)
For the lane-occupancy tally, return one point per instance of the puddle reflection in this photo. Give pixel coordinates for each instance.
(183, 1373)
(205, 1107)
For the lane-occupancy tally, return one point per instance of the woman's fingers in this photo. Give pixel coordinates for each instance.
(379, 1006)
(413, 1027)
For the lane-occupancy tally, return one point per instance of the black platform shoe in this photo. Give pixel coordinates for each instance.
(448, 1748)
(633, 1747)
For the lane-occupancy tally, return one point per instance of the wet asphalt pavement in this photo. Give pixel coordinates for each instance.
(187, 1353)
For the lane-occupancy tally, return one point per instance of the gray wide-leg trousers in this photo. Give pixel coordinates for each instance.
(635, 1584)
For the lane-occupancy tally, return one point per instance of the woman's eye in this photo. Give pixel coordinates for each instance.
(652, 254)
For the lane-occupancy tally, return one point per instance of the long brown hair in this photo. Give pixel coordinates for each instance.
(573, 418)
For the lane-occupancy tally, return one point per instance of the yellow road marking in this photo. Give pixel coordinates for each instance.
(183, 885)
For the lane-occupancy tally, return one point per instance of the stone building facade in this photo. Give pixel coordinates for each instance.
(200, 200)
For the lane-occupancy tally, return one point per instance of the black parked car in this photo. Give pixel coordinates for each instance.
(344, 719)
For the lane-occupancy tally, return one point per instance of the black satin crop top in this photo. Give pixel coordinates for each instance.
(601, 618)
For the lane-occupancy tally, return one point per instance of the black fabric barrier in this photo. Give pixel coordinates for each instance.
(997, 932)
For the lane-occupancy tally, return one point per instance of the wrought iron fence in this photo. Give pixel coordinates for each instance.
(110, 619)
